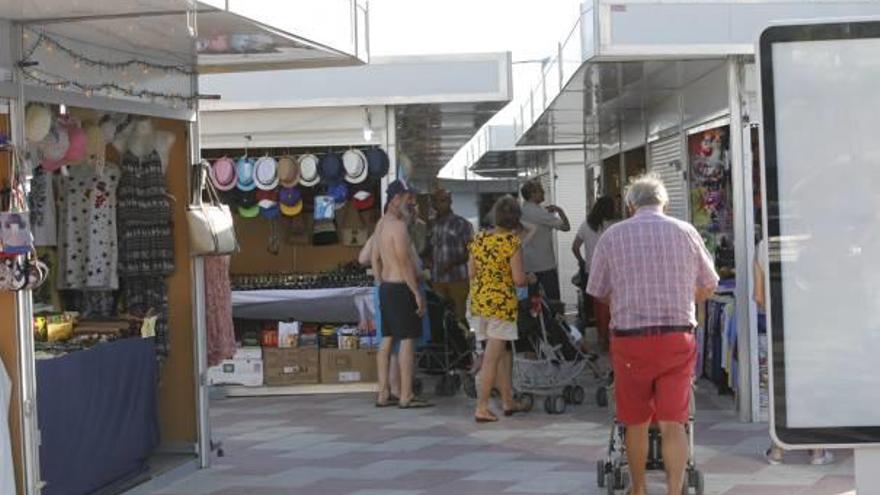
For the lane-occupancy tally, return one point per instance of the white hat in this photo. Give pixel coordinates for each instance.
(38, 122)
(356, 169)
(308, 170)
(266, 173)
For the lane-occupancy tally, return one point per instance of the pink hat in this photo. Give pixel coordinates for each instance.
(223, 174)
(78, 147)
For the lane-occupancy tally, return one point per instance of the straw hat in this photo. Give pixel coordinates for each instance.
(38, 123)
(288, 172)
(266, 173)
(308, 170)
(356, 169)
(223, 174)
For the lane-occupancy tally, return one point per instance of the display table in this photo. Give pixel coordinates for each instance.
(315, 305)
(97, 415)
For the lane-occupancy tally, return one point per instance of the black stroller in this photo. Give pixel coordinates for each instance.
(448, 353)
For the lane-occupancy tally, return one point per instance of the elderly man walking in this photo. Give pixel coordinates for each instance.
(651, 269)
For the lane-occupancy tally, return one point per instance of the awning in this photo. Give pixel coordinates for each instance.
(625, 56)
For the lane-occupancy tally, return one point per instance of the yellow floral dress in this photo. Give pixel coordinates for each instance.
(493, 294)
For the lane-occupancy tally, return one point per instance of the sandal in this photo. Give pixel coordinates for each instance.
(390, 401)
(491, 418)
(517, 408)
(415, 404)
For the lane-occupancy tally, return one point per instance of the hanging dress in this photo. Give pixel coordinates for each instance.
(146, 241)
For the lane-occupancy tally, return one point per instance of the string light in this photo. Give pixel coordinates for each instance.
(58, 82)
(50, 45)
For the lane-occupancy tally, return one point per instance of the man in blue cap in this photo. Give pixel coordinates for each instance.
(402, 303)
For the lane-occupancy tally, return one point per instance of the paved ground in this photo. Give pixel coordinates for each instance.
(343, 445)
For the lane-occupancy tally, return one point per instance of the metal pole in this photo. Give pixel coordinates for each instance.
(24, 314)
(743, 240)
(200, 334)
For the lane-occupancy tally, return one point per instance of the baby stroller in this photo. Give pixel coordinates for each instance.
(447, 353)
(612, 473)
(546, 360)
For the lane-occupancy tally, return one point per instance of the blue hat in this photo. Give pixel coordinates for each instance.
(244, 170)
(271, 212)
(331, 168)
(377, 162)
(339, 192)
(400, 186)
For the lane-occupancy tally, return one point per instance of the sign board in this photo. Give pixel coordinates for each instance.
(821, 112)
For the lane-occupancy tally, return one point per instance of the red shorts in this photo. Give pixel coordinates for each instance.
(652, 377)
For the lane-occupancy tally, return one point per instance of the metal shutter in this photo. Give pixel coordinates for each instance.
(571, 197)
(666, 161)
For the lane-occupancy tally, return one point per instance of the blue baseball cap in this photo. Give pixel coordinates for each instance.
(399, 186)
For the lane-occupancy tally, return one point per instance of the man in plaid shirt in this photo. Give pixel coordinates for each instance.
(450, 236)
(651, 269)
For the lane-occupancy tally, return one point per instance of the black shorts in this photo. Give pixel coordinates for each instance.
(399, 317)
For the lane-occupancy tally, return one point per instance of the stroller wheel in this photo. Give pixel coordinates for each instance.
(694, 480)
(602, 397)
(469, 383)
(609, 483)
(555, 404)
(577, 395)
(600, 473)
(528, 401)
(566, 393)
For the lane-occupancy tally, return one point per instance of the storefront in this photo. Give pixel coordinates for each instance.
(103, 337)
(644, 90)
(303, 306)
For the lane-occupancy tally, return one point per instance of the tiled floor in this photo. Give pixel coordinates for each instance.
(343, 445)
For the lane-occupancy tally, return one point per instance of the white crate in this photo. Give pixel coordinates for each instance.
(247, 372)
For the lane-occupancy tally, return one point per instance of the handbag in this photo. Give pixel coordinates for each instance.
(211, 228)
(18, 270)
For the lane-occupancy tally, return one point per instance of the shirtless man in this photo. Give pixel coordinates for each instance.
(402, 304)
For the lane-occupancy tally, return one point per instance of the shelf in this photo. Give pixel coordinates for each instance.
(317, 389)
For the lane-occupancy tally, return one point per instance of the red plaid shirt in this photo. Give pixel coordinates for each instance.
(651, 266)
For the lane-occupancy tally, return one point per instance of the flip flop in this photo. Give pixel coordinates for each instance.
(486, 419)
(415, 404)
(391, 401)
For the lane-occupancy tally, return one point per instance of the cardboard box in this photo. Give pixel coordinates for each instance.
(291, 366)
(247, 372)
(348, 366)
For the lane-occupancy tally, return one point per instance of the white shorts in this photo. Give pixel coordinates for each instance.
(493, 328)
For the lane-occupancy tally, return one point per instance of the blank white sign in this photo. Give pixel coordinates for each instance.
(827, 102)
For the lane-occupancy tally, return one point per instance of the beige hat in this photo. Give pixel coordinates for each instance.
(38, 122)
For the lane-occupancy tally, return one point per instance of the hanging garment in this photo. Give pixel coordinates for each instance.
(146, 240)
(87, 229)
(218, 310)
(7, 473)
(41, 202)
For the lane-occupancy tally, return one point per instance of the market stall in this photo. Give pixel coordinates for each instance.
(100, 293)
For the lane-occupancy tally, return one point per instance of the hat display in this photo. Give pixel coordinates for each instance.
(38, 123)
(308, 197)
(266, 173)
(291, 201)
(356, 168)
(77, 143)
(244, 170)
(377, 162)
(339, 193)
(249, 211)
(308, 170)
(54, 147)
(363, 200)
(288, 172)
(223, 174)
(270, 213)
(267, 199)
(331, 169)
(247, 199)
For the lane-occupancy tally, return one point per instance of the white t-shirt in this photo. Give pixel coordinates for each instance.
(590, 238)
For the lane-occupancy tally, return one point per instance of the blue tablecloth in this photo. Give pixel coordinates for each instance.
(98, 416)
